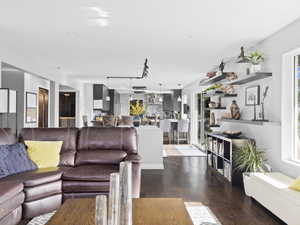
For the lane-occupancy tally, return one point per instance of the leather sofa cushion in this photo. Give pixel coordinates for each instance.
(43, 190)
(36, 177)
(134, 158)
(67, 135)
(9, 189)
(118, 138)
(41, 206)
(99, 157)
(11, 204)
(90, 172)
(85, 186)
(7, 136)
(12, 218)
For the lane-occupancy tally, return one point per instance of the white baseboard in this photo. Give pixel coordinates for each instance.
(152, 166)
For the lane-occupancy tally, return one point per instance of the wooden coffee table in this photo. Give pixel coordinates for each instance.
(146, 211)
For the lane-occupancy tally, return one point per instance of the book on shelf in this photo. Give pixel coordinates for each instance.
(209, 158)
(221, 149)
(227, 171)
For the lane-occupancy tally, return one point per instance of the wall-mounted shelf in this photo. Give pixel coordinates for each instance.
(259, 123)
(250, 78)
(229, 95)
(220, 94)
(214, 126)
(213, 80)
(215, 108)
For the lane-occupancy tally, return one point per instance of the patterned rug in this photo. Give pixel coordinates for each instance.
(182, 150)
(200, 215)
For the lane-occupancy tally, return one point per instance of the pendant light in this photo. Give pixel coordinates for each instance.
(130, 87)
(107, 98)
(179, 97)
(160, 99)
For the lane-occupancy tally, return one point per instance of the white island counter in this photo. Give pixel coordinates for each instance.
(150, 147)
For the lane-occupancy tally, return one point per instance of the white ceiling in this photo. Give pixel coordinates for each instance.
(87, 40)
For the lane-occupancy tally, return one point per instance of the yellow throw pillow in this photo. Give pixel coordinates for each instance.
(295, 185)
(44, 153)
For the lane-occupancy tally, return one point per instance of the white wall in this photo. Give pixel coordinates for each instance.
(0, 73)
(268, 137)
(32, 83)
(124, 101)
(88, 104)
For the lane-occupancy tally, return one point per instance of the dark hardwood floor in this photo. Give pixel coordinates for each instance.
(189, 178)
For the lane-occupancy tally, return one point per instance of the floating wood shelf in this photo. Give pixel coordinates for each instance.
(229, 95)
(250, 78)
(213, 80)
(260, 123)
(222, 95)
(216, 108)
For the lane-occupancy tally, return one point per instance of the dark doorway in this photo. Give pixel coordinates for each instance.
(43, 107)
(67, 109)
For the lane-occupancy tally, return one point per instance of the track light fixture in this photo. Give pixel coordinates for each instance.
(145, 73)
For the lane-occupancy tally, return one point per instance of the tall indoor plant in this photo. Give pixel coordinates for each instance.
(249, 159)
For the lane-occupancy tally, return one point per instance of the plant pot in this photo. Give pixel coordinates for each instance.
(247, 183)
(255, 68)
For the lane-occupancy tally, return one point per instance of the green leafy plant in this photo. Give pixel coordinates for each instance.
(256, 57)
(249, 158)
(213, 87)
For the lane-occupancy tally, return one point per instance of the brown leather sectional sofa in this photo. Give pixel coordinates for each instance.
(87, 158)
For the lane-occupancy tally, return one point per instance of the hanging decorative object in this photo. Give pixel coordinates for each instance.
(160, 97)
(107, 98)
(179, 96)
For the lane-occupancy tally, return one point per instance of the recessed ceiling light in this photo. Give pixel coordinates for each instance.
(97, 16)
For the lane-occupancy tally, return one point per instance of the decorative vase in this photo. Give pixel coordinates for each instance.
(136, 121)
(255, 68)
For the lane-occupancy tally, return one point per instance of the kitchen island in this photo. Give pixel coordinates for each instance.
(150, 147)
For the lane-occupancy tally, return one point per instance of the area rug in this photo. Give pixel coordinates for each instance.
(182, 150)
(200, 215)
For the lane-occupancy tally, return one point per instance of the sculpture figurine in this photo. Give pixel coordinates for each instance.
(212, 119)
(222, 66)
(235, 111)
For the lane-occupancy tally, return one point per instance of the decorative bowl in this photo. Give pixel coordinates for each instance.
(232, 134)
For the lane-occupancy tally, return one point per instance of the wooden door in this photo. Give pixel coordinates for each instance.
(43, 107)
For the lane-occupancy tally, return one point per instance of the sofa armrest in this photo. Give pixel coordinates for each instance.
(134, 158)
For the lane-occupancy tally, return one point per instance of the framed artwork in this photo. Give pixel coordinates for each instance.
(31, 107)
(252, 95)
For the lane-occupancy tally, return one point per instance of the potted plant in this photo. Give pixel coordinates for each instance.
(255, 58)
(249, 159)
(137, 110)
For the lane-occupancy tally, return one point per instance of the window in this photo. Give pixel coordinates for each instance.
(296, 153)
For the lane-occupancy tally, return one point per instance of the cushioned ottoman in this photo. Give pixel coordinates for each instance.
(11, 199)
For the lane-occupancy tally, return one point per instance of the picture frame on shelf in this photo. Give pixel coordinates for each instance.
(31, 107)
(252, 95)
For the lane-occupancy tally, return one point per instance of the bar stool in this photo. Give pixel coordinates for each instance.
(127, 121)
(183, 129)
(166, 127)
